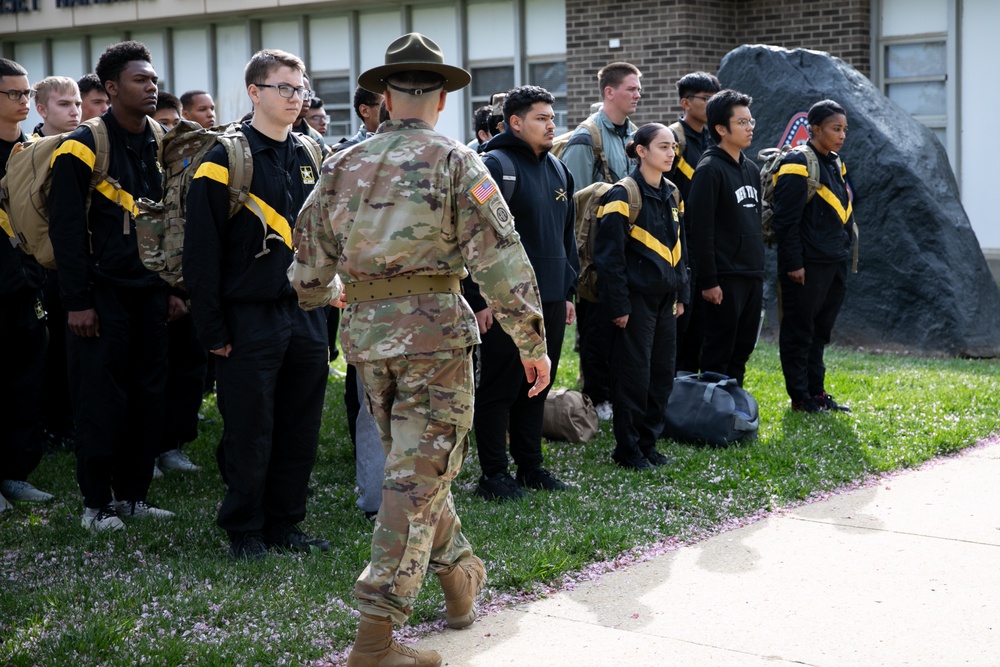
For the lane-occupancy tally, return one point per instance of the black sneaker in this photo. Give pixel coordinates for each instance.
(826, 400)
(640, 463)
(658, 458)
(247, 546)
(500, 487)
(293, 539)
(540, 479)
(808, 405)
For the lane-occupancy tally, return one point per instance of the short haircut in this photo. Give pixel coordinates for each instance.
(823, 110)
(366, 97)
(187, 98)
(697, 82)
(316, 103)
(720, 109)
(644, 137)
(415, 80)
(168, 101)
(89, 82)
(613, 74)
(481, 120)
(264, 62)
(116, 58)
(51, 84)
(11, 68)
(520, 100)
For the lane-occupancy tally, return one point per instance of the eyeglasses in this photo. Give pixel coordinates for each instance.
(745, 122)
(288, 92)
(16, 95)
(703, 98)
(316, 119)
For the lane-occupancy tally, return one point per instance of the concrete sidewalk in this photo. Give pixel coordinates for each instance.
(906, 572)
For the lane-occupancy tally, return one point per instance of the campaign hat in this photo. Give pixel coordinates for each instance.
(411, 53)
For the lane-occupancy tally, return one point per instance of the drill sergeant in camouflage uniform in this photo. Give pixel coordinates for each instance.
(398, 217)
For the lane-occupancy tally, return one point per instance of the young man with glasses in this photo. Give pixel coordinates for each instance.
(693, 139)
(117, 310)
(317, 116)
(22, 324)
(270, 356)
(724, 213)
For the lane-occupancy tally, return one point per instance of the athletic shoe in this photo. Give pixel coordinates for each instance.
(638, 464)
(140, 509)
(500, 487)
(5, 504)
(102, 519)
(604, 411)
(826, 400)
(22, 492)
(658, 458)
(540, 479)
(294, 539)
(808, 405)
(247, 546)
(175, 459)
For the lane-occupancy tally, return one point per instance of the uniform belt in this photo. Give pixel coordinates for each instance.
(400, 286)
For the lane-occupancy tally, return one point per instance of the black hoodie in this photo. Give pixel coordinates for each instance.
(724, 218)
(544, 216)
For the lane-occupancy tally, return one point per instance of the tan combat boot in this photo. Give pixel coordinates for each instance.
(461, 583)
(375, 647)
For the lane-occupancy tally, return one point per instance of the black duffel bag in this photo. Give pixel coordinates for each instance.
(710, 408)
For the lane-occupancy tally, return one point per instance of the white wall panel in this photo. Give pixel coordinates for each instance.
(544, 27)
(232, 53)
(68, 58)
(283, 35)
(913, 17)
(491, 31)
(329, 44)
(191, 58)
(441, 25)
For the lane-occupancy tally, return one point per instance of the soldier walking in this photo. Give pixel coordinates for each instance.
(425, 208)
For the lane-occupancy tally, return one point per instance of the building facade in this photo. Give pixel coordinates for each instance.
(929, 56)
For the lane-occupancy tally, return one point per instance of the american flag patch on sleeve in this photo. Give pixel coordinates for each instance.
(484, 189)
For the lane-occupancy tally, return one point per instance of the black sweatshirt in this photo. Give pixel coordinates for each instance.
(724, 210)
(625, 263)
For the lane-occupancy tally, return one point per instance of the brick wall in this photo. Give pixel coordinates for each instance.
(666, 39)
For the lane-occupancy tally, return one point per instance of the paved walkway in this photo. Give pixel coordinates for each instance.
(906, 572)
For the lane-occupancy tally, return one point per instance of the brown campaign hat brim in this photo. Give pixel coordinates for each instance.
(414, 53)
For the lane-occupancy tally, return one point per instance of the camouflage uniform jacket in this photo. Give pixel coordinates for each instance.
(412, 201)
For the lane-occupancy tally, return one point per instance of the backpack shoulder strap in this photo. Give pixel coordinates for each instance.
(812, 168)
(634, 199)
(508, 180)
(158, 130)
(240, 168)
(315, 150)
(597, 141)
(678, 130)
(102, 150)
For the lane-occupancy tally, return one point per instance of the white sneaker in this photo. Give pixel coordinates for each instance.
(22, 492)
(604, 411)
(5, 504)
(101, 519)
(140, 509)
(175, 459)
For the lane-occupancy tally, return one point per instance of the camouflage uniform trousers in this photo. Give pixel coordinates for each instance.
(422, 404)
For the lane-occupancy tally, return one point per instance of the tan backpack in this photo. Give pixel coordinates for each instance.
(24, 190)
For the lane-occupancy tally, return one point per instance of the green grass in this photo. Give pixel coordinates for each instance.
(165, 594)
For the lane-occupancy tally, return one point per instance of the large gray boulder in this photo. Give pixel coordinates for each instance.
(922, 280)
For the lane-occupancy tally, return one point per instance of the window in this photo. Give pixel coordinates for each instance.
(914, 76)
(337, 94)
(488, 80)
(552, 77)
